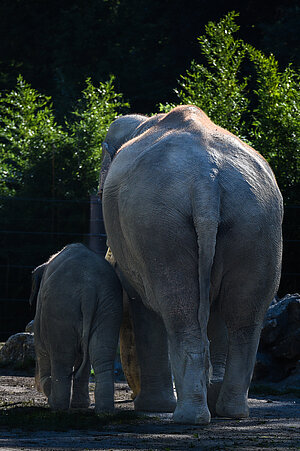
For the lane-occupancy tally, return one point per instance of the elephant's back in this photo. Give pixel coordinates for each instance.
(185, 145)
(159, 175)
(168, 163)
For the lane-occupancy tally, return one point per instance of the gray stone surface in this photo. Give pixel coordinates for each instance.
(279, 349)
(18, 350)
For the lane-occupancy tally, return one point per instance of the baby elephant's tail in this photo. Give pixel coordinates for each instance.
(89, 310)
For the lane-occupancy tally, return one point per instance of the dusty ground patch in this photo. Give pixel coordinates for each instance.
(274, 424)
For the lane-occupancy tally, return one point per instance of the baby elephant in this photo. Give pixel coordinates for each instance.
(78, 315)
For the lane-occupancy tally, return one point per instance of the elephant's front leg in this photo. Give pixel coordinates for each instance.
(157, 394)
(128, 354)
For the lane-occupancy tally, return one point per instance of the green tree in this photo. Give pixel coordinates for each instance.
(48, 171)
(94, 112)
(218, 87)
(27, 132)
(39, 156)
(275, 127)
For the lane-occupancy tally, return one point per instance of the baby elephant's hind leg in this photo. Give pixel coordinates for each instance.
(61, 381)
(80, 395)
(102, 360)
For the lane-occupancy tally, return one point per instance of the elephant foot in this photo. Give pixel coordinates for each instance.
(191, 415)
(232, 406)
(155, 403)
(213, 391)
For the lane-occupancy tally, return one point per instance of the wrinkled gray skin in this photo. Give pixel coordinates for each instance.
(77, 323)
(193, 218)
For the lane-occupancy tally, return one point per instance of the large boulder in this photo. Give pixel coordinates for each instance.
(279, 349)
(18, 351)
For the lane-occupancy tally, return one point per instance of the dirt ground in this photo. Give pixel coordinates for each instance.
(274, 423)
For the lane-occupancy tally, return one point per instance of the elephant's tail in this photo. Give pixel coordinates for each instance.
(206, 218)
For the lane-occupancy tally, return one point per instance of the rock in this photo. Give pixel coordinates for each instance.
(267, 368)
(18, 351)
(281, 319)
(279, 348)
(293, 380)
(290, 384)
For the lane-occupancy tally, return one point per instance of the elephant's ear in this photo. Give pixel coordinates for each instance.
(36, 282)
(109, 150)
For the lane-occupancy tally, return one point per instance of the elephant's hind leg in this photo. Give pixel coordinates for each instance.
(61, 380)
(248, 286)
(102, 351)
(190, 364)
(243, 310)
(218, 338)
(233, 398)
(80, 392)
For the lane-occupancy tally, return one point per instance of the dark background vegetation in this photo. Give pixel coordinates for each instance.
(57, 46)
(146, 44)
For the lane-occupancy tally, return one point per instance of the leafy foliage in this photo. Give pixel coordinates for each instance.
(94, 113)
(275, 128)
(27, 132)
(37, 154)
(216, 87)
(47, 173)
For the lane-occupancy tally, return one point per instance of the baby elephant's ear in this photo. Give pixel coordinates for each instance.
(109, 149)
(36, 282)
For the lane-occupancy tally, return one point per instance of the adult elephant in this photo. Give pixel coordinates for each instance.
(193, 218)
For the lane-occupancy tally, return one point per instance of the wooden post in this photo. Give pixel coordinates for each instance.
(97, 241)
